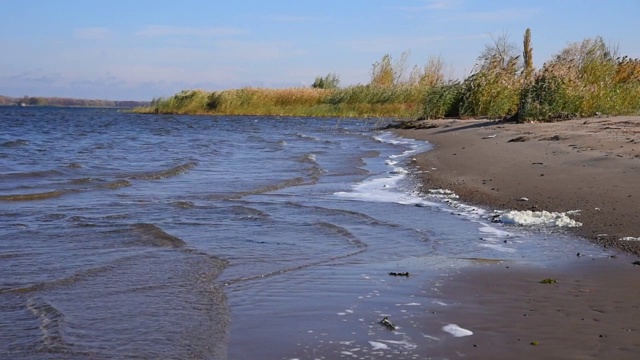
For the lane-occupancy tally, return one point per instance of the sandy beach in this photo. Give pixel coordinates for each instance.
(591, 165)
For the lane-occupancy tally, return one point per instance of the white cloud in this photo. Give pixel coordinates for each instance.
(162, 30)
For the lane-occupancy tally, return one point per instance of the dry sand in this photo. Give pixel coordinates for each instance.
(591, 165)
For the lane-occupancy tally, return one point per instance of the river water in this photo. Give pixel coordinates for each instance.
(176, 237)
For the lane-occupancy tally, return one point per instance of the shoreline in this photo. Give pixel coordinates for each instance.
(591, 165)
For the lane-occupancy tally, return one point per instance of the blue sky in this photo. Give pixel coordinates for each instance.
(140, 49)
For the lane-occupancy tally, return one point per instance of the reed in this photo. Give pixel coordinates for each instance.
(584, 79)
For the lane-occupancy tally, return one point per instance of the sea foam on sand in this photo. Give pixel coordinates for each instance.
(541, 218)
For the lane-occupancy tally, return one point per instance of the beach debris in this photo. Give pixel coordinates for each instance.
(519, 139)
(523, 199)
(405, 274)
(548, 281)
(535, 343)
(490, 136)
(636, 263)
(388, 324)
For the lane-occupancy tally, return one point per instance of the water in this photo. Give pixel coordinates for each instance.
(133, 236)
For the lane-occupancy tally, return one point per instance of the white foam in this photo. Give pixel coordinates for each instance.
(384, 188)
(494, 231)
(431, 337)
(406, 345)
(456, 330)
(443, 193)
(399, 170)
(498, 247)
(630, 238)
(538, 218)
(378, 345)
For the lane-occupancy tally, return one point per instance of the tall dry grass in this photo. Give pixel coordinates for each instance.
(584, 79)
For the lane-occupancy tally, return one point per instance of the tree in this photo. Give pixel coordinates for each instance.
(499, 55)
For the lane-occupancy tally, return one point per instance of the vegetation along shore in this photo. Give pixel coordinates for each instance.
(584, 79)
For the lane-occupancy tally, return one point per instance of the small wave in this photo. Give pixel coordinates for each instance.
(335, 229)
(183, 204)
(163, 174)
(31, 174)
(309, 158)
(248, 213)
(14, 143)
(32, 197)
(152, 235)
(51, 323)
(62, 281)
(339, 230)
(269, 188)
(82, 181)
(115, 184)
(315, 172)
(308, 137)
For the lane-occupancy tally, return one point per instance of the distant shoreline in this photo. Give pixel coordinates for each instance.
(39, 101)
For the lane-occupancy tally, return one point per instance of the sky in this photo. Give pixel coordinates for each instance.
(140, 49)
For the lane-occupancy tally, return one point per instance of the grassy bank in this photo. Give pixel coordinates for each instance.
(584, 79)
(353, 101)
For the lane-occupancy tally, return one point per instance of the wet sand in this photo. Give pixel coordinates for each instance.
(591, 312)
(591, 165)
